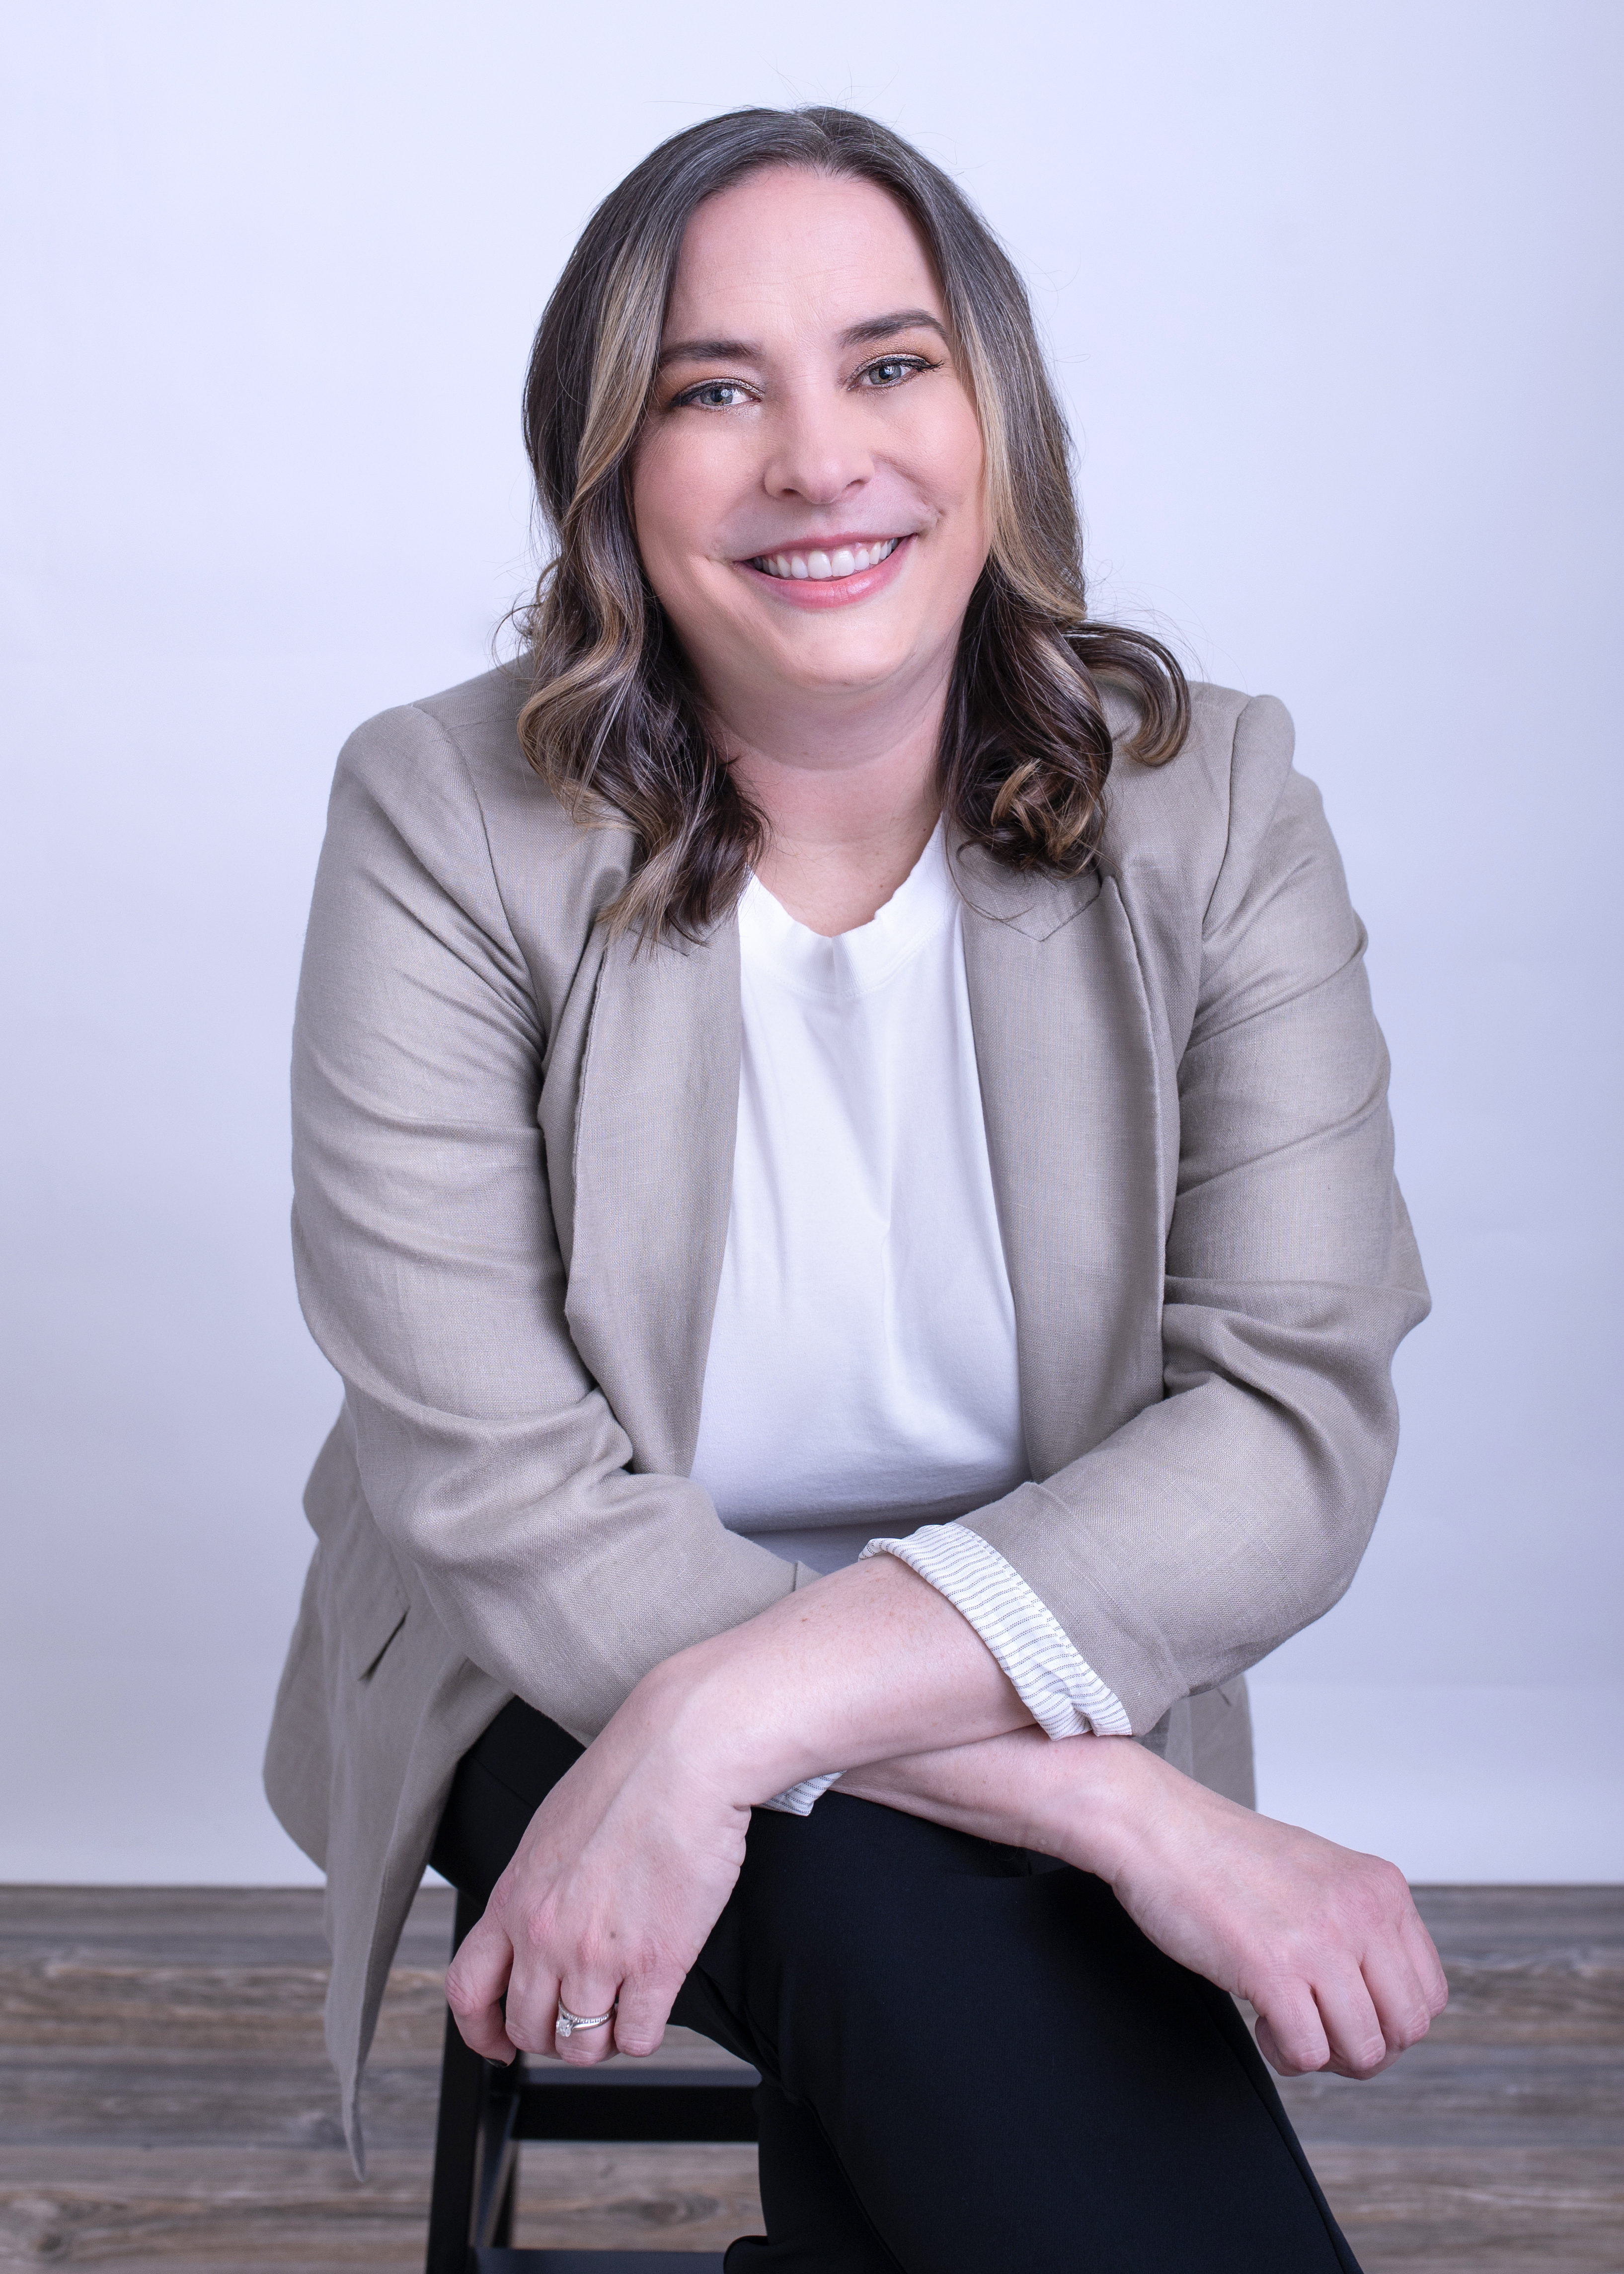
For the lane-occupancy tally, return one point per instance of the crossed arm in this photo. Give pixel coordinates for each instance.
(628, 1861)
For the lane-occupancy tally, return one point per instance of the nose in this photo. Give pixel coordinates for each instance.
(820, 447)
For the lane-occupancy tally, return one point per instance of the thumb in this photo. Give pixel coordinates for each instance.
(476, 1983)
(1291, 2035)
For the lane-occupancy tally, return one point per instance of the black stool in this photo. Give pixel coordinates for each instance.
(486, 2111)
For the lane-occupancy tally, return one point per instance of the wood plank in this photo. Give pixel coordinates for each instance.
(53, 2008)
(1495, 2208)
(236, 2212)
(1471, 2095)
(636, 2198)
(225, 2209)
(155, 2096)
(1530, 1965)
(218, 1971)
(221, 1968)
(1468, 1919)
(123, 1912)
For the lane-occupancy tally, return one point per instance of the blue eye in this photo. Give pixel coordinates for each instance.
(888, 373)
(716, 394)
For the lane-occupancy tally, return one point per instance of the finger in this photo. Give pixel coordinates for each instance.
(1290, 2033)
(1424, 1957)
(585, 2047)
(1395, 1991)
(1359, 2046)
(645, 2009)
(532, 2002)
(476, 1981)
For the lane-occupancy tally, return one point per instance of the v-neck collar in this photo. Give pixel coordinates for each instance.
(856, 962)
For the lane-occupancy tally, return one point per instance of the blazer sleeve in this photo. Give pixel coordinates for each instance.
(429, 1266)
(1234, 1511)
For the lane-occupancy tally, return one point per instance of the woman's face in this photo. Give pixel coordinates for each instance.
(807, 487)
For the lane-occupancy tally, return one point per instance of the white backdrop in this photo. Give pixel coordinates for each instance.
(1333, 291)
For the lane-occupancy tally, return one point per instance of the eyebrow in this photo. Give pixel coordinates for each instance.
(855, 335)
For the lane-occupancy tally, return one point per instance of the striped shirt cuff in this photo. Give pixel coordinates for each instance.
(799, 1799)
(1054, 1682)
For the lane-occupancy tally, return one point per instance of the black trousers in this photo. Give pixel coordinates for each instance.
(973, 2061)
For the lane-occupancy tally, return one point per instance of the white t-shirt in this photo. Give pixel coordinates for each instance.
(862, 1375)
(862, 1372)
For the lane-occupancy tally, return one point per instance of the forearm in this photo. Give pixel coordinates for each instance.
(867, 1665)
(1326, 1944)
(1075, 1799)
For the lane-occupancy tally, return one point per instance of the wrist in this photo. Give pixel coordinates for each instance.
(1100, 1794)
(699, 1710)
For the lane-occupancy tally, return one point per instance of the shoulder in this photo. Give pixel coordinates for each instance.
(447, 750)
(1181, 821)
(446, 778)
(1199, 844)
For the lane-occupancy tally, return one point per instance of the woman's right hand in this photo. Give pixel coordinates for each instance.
(1326, 1943)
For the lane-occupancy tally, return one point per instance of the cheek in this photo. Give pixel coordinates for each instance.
(657, 502)
(680, 498)
(956, 473)
(673, 519)
(674, 478)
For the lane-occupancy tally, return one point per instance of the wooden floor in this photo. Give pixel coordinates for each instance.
(164, 2100)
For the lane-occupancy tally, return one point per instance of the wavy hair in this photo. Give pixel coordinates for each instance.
(613, 723)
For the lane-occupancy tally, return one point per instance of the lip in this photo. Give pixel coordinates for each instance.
(829, 591)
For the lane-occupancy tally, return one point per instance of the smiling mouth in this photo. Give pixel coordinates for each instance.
(818, 568)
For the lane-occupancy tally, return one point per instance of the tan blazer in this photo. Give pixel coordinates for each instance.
(512, 1150)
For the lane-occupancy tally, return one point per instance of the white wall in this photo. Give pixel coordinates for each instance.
(1333, 291)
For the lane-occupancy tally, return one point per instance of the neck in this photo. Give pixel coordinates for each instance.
(849, 803)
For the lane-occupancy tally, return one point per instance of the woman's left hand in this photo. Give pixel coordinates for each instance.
(627, 1863)
(622, 1873)
(1325, 1943)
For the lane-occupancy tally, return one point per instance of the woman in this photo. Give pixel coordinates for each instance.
(860, 1254)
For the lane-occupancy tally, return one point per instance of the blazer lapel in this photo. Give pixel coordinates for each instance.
(1075, 1132)
(652, 1176)
(1069, 1091)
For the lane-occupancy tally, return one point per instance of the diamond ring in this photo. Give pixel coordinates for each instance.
(568, 2022)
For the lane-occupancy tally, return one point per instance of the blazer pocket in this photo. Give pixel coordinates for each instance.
(364, 1594)
(380, 1612)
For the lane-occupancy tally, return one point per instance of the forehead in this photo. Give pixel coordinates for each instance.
(788, 245)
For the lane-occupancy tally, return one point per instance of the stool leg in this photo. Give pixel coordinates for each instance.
(501, 2226)
(462, 2095)
(499, 2155)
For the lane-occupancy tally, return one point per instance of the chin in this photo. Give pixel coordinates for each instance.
(845, 652)
(862, 672)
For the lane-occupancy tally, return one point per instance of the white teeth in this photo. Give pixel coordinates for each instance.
(845, 561)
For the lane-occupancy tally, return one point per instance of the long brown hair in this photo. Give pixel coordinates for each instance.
(613, 724)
